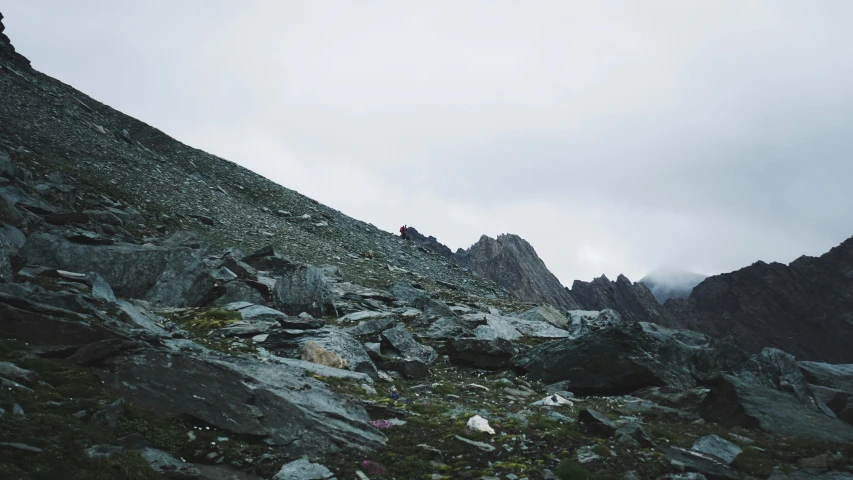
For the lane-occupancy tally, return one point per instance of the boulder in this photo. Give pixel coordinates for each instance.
(545, 313)
(596, 423)
(369, 327)
(717, 447)
(770, 393)
(623, 358)
(304, 290)
(168, 465)
(481, 353)
(490, 327)
(583, 321)
(839, 401)
(303, 470)
(400, 340)
(839, 377)
(243, 396)
(699, 462)
(237, 291)
(291, 343)
(162, 275)
(537, 329)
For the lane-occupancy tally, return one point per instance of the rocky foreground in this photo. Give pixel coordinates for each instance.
(139, 341)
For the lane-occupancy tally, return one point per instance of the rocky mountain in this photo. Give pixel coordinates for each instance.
(671, 283)
(634, 301)
(165, 313)
(805, 308)
(513, 263)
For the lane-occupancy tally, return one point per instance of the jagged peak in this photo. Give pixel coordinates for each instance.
(7, 50)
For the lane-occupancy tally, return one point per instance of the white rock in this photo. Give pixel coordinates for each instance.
(480, 424)
(555, 401)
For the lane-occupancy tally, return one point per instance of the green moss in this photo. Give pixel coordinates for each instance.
(753, 462)
(571, 470)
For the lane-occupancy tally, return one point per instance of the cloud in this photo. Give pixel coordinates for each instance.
(616, 137)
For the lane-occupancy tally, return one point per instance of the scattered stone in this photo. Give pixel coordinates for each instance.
(482, 446)
(167, 464)
(20, 446)
(10, 370)
(699, 462)
(17, 410)
(399, 339)
(631, 433)
(302, 469)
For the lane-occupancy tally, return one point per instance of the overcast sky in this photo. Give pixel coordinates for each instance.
(616, 137)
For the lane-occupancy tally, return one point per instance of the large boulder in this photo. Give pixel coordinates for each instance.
(304, 290)
(545, 313)
(481, 353)
(173, 276)
(583, 321)
(243, 396)
(839, 377)
(622, 358)
(771, 394)
(489, 327)
(400, 341)
(290, 343)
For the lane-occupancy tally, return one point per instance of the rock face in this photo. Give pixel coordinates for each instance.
(805, 308)
(633, 301)
(512, 263)
(671, 283)
(429, 242)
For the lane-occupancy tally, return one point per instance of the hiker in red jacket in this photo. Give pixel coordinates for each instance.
(403, 231)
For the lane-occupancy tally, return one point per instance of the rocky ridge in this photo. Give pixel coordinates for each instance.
(146, 340)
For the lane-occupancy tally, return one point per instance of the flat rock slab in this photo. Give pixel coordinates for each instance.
(243, 396)
(717, 447)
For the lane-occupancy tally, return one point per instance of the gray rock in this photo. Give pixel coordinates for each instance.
(481, 353)
(21, 447)
(17, 410)
(412, 368)
(718, 448)
(490, 327)
(480, 445)
(290, 343)
(583, 321)
(839, 377)
(109, 416)
(101, 290)
(238, 291)
(685, 399)
(632, 433)
(304, 290)
(101, 452)
(596, 423)
(241, 395)
(168, 465)
(545, 313)
(840, 402)
(623, 358)
(8, 213)
(167, 276)
(537, 329)
(10, 370)
(364, 315)
(445, 328)
(401, 341)
(302, 469)
(699, 462)
(770, 393)
(370, 327)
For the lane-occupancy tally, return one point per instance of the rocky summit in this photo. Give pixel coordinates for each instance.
(165, 313)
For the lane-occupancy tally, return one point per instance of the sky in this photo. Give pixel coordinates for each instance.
(614, 136)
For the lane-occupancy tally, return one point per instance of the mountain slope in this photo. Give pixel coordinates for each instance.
(633, 301)
(805, 308)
